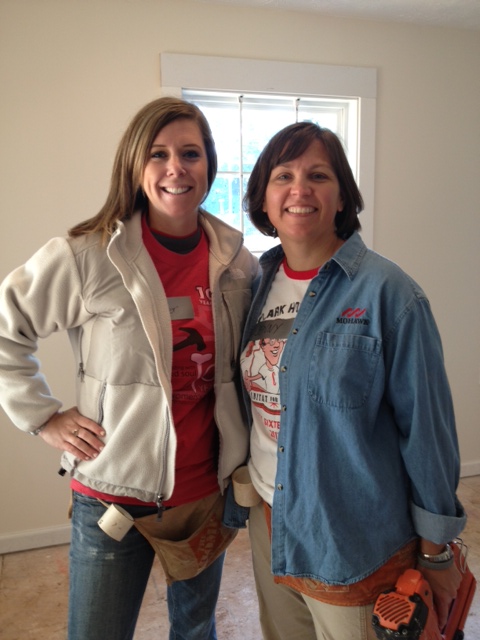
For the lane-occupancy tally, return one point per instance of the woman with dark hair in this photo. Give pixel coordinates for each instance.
(353, 447)
(153, 292)
(287, 145)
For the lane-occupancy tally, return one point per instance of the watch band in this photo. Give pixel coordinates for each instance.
(443, 556)
(438, 561)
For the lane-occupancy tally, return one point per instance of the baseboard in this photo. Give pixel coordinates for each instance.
(34, 539)
(470, 469)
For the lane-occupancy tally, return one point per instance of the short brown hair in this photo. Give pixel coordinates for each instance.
(288, 144)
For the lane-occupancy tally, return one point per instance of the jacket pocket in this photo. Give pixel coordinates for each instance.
(342, 369)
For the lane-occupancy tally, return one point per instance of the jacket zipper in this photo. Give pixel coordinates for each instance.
(160, 507)
(100, 403)
(81, 370)
(232, 338)
(159, 500)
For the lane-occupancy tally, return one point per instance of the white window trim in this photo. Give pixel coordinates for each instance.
(184, 71)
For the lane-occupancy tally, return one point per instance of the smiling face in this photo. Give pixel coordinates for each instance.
(175, 178)
(272, 350)
(302, 199)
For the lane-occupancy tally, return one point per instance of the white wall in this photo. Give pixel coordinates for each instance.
(73, 72)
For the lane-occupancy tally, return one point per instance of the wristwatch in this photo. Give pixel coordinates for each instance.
(438, 561)
(444, 556)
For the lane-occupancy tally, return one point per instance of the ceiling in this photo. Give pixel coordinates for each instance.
(462, 14)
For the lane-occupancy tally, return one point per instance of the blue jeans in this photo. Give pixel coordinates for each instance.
(108, 580)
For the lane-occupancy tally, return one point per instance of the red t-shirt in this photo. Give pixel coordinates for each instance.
(186, 283)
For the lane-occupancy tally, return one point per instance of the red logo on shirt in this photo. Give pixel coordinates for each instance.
(353, 313)
(353, 316)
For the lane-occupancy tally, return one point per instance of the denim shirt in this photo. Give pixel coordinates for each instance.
(367, 455)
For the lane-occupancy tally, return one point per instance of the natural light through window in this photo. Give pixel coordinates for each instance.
(242, 124)
(247, 101)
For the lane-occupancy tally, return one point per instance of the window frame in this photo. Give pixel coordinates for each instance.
(185, 71)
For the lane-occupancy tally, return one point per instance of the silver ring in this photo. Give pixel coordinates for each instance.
(75, 433)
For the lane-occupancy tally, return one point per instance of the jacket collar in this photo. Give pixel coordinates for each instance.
(224, 242)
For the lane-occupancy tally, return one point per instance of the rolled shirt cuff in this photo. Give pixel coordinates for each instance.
(438, 528)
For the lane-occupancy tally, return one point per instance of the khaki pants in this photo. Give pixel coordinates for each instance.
(286, 614)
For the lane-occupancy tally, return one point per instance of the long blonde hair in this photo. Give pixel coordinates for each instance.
(126, 195)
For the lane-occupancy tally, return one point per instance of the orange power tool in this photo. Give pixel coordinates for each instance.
(407, 612)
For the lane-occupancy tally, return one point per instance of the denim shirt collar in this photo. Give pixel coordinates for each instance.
(348, 257)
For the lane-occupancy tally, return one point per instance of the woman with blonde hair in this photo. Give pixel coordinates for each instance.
(153, 292)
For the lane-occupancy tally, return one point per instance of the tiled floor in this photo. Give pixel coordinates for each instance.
(33, 589)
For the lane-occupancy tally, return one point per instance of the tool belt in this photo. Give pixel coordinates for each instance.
(189, 538)
(359, 593)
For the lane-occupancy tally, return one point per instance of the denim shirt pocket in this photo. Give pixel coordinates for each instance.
(342, 369)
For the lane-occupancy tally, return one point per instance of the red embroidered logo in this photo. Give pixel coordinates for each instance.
(353, 313)
(353, 316)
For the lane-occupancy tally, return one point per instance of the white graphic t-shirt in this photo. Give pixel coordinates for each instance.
(260, 364)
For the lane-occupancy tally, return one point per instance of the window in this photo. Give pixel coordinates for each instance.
(242, 124)
(247, 101)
